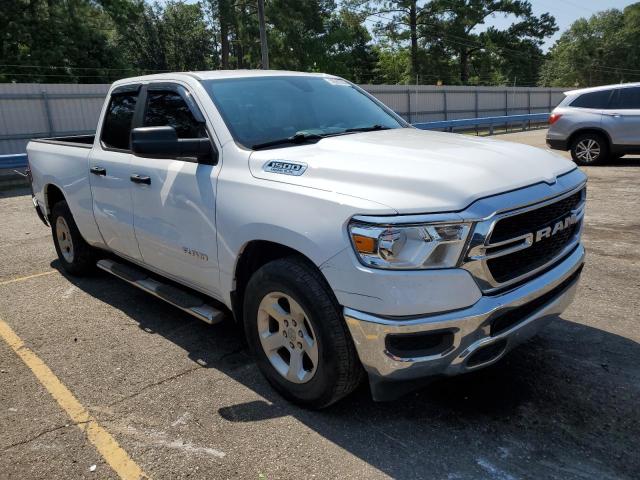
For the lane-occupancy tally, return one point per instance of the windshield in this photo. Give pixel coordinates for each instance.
(260, 110)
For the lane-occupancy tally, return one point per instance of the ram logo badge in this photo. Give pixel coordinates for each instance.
(285, 168)
(559, 226)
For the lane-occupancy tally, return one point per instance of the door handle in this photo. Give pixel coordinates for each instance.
(98, 170)
(135, 178)
(616, 115)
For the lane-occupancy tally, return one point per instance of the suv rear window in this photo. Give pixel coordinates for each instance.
(116, 130)
(593, 100)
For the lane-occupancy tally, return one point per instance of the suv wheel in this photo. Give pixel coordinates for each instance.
(76, 256)
(589, 149)
(295, 329)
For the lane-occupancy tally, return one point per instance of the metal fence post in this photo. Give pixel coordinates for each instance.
(47, 111)
(444, 103)
(409, 106)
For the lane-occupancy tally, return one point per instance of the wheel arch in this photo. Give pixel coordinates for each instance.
(596, 130)
(52, 195)
(253, 255)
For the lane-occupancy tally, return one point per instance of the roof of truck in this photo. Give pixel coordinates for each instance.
(601, 87)
(218, 74)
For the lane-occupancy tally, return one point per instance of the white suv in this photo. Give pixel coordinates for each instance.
(598, 123)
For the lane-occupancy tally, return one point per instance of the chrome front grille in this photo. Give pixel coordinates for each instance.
(512, 246)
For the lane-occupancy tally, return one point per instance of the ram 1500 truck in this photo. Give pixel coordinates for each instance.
(346, 242)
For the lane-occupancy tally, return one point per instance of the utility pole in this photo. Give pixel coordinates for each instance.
(263, 36)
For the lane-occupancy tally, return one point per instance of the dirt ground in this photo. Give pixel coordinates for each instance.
(184, 400)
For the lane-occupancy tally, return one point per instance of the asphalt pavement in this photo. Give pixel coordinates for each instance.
(180, 399)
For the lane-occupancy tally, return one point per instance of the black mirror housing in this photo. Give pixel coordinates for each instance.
(163, 142)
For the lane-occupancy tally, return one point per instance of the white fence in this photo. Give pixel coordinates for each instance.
(29, 110)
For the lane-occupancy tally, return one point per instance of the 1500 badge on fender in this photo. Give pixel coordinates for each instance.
(285, 168)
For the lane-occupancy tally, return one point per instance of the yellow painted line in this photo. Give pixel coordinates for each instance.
(20, 279)
(108, 447)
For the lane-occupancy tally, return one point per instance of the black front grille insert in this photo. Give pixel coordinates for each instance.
(514, 316)
(527, 222)
(511, 266)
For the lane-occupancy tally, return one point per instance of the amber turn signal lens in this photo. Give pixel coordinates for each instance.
(364, 244)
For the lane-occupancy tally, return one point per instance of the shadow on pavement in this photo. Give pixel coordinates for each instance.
(565, 405)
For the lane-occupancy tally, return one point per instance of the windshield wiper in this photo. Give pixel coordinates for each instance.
(299, 137)
(368, 129)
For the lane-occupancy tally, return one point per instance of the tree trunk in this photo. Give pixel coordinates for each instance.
(223, 13)
(413, 26)
(464, 66)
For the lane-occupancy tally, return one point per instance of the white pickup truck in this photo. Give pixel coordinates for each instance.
(346, 242)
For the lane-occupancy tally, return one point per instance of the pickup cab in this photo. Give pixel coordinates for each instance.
(345, 242)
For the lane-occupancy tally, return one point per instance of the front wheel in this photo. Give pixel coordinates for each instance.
(296, 332)
(589, 149)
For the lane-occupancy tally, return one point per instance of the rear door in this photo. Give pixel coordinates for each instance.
(109, 171)
(174, 213)
(623, 118)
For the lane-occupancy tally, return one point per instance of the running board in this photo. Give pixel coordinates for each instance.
(185, 301)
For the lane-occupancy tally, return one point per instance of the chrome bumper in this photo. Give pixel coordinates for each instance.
(471, 327)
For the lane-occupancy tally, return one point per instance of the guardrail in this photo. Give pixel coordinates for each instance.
(18, 160)
(491, 122)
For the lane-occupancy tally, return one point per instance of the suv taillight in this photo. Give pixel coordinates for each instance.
(554, 117)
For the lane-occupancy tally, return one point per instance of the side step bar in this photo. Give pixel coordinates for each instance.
(184, 301)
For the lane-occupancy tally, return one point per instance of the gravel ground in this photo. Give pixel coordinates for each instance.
(185, 401)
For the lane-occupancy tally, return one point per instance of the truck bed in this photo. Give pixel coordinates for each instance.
(83, 141)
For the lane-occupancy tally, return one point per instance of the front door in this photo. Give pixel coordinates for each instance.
(622, 120)
(174, 213)
(109, 171)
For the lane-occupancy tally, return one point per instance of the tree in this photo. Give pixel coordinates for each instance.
(173, 37)
(57, 41)
(600, 50)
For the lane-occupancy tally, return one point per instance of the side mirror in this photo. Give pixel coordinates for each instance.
(163, 142)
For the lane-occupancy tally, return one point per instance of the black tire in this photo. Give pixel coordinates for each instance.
(79, 258)
(338, 371)
(593, 142)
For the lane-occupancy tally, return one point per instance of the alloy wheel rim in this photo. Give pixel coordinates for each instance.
(65, 243)
(287, 337)
(588, 150)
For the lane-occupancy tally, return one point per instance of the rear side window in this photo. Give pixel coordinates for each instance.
(170, 109)
(116, 130)
(593, 100)
(627, 99)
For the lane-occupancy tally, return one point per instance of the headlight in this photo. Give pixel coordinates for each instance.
(437, 245)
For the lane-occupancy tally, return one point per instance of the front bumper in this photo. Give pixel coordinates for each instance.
(475, 341)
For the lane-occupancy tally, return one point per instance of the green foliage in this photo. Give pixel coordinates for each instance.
(56, 41)
(366, 41)
(597, 51)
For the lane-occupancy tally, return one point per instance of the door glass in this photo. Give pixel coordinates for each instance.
(628, 99)
(599, 100)
(116, 130)
(169, 109)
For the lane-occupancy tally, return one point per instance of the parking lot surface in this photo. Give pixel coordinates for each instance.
(182, 399)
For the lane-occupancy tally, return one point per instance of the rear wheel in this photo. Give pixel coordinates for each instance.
(296, 332)
(589, 149)
(75, 255)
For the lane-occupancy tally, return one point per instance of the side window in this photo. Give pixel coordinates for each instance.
(593, 100)
(628, 99)
(116, 129)
(169, 109)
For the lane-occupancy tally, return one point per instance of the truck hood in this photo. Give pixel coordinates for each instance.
(413, 171)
